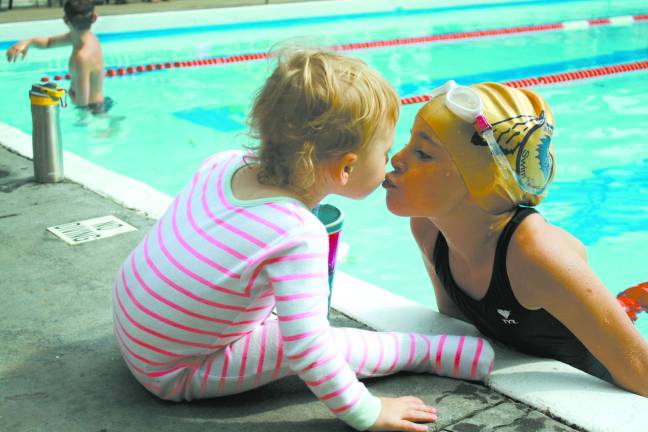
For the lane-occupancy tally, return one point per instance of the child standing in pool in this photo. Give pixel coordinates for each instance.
(193, 302)
(478, 160)
(86, 64)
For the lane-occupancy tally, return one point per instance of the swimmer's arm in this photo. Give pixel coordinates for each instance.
(21, 48)
(425, 233)
(555, 276)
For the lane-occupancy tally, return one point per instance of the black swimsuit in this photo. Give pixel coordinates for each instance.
(500, 316)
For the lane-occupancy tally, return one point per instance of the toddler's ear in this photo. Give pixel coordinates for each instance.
(341, 167)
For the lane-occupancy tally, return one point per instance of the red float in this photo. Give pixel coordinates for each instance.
(634, 300)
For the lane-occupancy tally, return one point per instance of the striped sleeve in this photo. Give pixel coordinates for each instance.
(298, 274)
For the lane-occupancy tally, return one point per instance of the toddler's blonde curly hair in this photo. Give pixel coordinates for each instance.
(314, 106)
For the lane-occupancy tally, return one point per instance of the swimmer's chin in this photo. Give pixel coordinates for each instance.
(394, 208)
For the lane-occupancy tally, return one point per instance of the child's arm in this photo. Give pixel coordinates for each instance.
(547, 271)
(298, 273)
(41, 42)
(425, 233)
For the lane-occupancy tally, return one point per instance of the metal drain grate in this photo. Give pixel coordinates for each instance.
(91, 229)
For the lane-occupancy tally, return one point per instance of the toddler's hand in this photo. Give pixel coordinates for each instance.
(399, 414)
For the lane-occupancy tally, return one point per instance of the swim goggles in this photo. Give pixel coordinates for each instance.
(466, 103)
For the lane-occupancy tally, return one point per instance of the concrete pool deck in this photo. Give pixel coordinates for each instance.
(60, 368)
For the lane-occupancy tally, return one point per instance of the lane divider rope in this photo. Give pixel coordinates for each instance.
(555, 78)
(567, 25)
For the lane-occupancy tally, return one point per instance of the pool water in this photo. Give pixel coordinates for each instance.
(165, 123)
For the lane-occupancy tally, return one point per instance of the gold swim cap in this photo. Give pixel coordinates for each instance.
(522, 125)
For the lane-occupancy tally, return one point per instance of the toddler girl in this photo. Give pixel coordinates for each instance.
(193, 302)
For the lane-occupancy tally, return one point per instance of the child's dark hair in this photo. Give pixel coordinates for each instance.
(316, 105)
(79, 13)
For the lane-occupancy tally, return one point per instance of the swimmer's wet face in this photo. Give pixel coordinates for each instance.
(522, 125)
(425, 181)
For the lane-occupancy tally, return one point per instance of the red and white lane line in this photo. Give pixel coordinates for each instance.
(567, 25)
(214, 61)
(556, 78)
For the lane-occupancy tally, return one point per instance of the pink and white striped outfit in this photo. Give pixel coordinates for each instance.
(192, 306)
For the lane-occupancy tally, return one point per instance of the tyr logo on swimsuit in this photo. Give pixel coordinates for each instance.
(506, 313)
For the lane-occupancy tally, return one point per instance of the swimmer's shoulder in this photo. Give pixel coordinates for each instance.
(536, 234)
(89, 55)
(539, 252)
